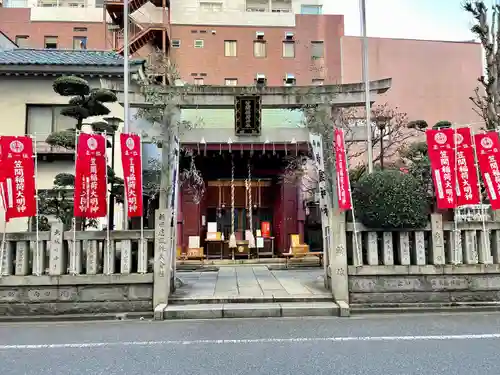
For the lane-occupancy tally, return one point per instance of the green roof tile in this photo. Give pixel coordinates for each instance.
(22, 56)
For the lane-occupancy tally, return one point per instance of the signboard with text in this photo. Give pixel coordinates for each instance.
(248, 115)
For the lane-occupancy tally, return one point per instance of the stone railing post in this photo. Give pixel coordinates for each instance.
(437, 242)
(56, 254)
(161, 277)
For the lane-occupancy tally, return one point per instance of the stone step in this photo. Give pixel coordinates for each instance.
(250, 310)
(250, 299)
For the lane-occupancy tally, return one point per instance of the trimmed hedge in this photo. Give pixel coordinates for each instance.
(389, 199)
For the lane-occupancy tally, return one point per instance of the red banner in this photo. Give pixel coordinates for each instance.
(343, 190)
(442, 157)
(18, 177)
(132, 172)
(488, 159)
(468, 188)
(90, 177)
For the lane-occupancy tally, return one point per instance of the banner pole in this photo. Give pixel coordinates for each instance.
(355, 230)
(142, 203)
(37, 232)
(483, 211)
(2, 249)
(108, 245)
(72, 263)
(455, 259)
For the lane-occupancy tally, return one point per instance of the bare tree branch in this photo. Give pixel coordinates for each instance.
(488, 105)
(160, 72)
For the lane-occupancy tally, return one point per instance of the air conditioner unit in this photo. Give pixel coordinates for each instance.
(259, 35)
(289, 80)
(260, 79)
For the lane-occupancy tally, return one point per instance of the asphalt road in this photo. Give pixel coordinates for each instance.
(388, 345)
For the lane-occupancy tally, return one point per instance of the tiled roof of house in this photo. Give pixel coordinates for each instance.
(24, 56)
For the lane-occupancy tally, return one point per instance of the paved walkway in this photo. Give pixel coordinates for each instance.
(254, 281)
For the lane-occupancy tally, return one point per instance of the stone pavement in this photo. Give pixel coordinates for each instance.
(252, 282)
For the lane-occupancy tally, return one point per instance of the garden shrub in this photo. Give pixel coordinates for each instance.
(388, 199)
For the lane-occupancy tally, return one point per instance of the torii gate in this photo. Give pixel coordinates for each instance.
(214, 97)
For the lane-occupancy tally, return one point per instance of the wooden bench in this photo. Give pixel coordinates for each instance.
(300, 250)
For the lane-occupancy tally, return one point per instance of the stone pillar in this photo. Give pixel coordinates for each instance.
(338, 260)
(126, 256)
(161, 286)
(388, 249)
(470, 248)
(404, 248)
(91, 250)
(484, 253)
(38, 252)
(56, 252)
(420, 249)
(437, 239)
(7, 258)
(372, 248)
(22, 258)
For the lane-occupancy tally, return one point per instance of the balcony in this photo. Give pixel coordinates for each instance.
(115, 8)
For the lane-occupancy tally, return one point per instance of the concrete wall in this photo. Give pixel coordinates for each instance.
(46, 295)
(427, 284)
(431, 80)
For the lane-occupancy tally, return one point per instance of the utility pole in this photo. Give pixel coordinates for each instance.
(364, 52)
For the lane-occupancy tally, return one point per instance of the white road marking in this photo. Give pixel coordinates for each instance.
(85, 345)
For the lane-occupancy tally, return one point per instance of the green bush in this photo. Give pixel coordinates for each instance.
(390, 199)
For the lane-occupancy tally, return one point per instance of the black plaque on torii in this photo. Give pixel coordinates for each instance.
(248, 115)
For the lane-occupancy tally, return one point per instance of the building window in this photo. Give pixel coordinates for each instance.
(51, 42)
(288, 49)
(318, 82)
(230, 48)
(259, 48)
(47, 3)
(22, 41)
(311, 9)
(42, 120)
(79, 29)
(317, 50)
(231, 82)
(257, 5)
(199, 43)
(15, 4)
(99, 3)
(210, 6)
(176, 43)
(79, 42)
(199, 81)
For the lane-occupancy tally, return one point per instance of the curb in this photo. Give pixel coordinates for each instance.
(147, 315)
(425, 308)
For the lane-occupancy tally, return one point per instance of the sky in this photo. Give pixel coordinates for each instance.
(413, 19)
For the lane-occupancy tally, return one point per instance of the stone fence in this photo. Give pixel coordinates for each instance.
(437, 264)
(60, 272)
